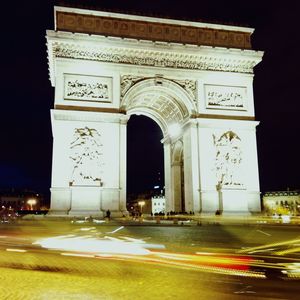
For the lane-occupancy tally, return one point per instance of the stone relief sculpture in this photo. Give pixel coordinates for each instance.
(86, 156)
(127, 81)
(228, 160)
(189, 86)
(77, 89)
(88, 88)
(155, 58)
(225, 97)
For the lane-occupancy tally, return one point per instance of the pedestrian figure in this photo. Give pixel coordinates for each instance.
(108, 214)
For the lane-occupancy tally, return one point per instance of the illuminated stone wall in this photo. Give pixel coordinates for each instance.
(282, 202)
(201, 96)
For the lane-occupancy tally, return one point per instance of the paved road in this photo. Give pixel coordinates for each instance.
(171, 270)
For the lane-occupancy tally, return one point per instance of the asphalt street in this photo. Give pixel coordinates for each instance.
(47, 259)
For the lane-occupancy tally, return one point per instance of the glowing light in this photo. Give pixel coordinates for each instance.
(269, 246)
(89, 244)
(31, 202)
(79, 221)
(141, 203)
(15, 250)
(286, 219)
(77, 254)
(98, 221)
(87, 228)
(116, 230)
(134, 250)
(174, 130)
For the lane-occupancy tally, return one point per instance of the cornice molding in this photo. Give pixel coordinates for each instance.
(134, 17)
(153, 30)
(153, 54)
(67, 114)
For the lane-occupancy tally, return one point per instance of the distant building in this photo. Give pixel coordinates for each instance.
(158, 204)
(20, 199)
(282, 202)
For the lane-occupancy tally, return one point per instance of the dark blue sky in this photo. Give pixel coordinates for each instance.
(27, 95)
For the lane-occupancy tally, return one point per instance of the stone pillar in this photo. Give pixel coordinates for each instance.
(97, 181)
(176, 184)
(228, 169)
(191, 168)
(86, 201)
(60, 191)
(123, 163)
(168, 176)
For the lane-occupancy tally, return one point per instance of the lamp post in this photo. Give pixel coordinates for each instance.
(31, 202)
(141, 203)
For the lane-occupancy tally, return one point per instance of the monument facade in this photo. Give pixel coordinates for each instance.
(193, 79)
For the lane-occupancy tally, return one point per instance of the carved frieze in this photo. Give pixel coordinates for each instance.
(127, 81)
(228, 160)
(154, 58)
(226, 97)
(86, 157)
(87, 88)
(146, 30)
(189, 86)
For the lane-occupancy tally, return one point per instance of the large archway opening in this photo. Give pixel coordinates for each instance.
(145, 160)
(169, 105)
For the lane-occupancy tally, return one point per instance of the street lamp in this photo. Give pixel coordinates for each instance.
(31, 202)
(141, 203)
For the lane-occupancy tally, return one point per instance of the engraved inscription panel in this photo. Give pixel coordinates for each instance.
(226, 97)
(88, 88)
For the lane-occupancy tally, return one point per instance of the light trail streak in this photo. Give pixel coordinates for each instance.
(89, 244)
(288, 251)
(78, 255)
(135, 250)
(252, 249)
(116, 230)
(265, 233)
(15, 250)
(87, 228)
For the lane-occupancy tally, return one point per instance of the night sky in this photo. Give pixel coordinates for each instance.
(27, 95)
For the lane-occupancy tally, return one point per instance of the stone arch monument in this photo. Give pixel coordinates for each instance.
(193, 79)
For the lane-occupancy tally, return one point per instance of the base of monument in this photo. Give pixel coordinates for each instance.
(119, 214)
(226, 213)
(236, 213)
(86, 213)
(57, 213)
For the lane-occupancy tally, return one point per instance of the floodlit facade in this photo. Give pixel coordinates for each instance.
(158, 204)
(282, 202)
(193, 79)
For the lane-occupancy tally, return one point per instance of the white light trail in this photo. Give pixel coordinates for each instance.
(265, 233)
(116, 230)
(93, 245)
(15, 250)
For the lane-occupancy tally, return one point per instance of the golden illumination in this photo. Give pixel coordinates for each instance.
(141, 204)
(31, 202)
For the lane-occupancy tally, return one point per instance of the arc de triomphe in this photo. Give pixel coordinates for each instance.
(193, 79)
